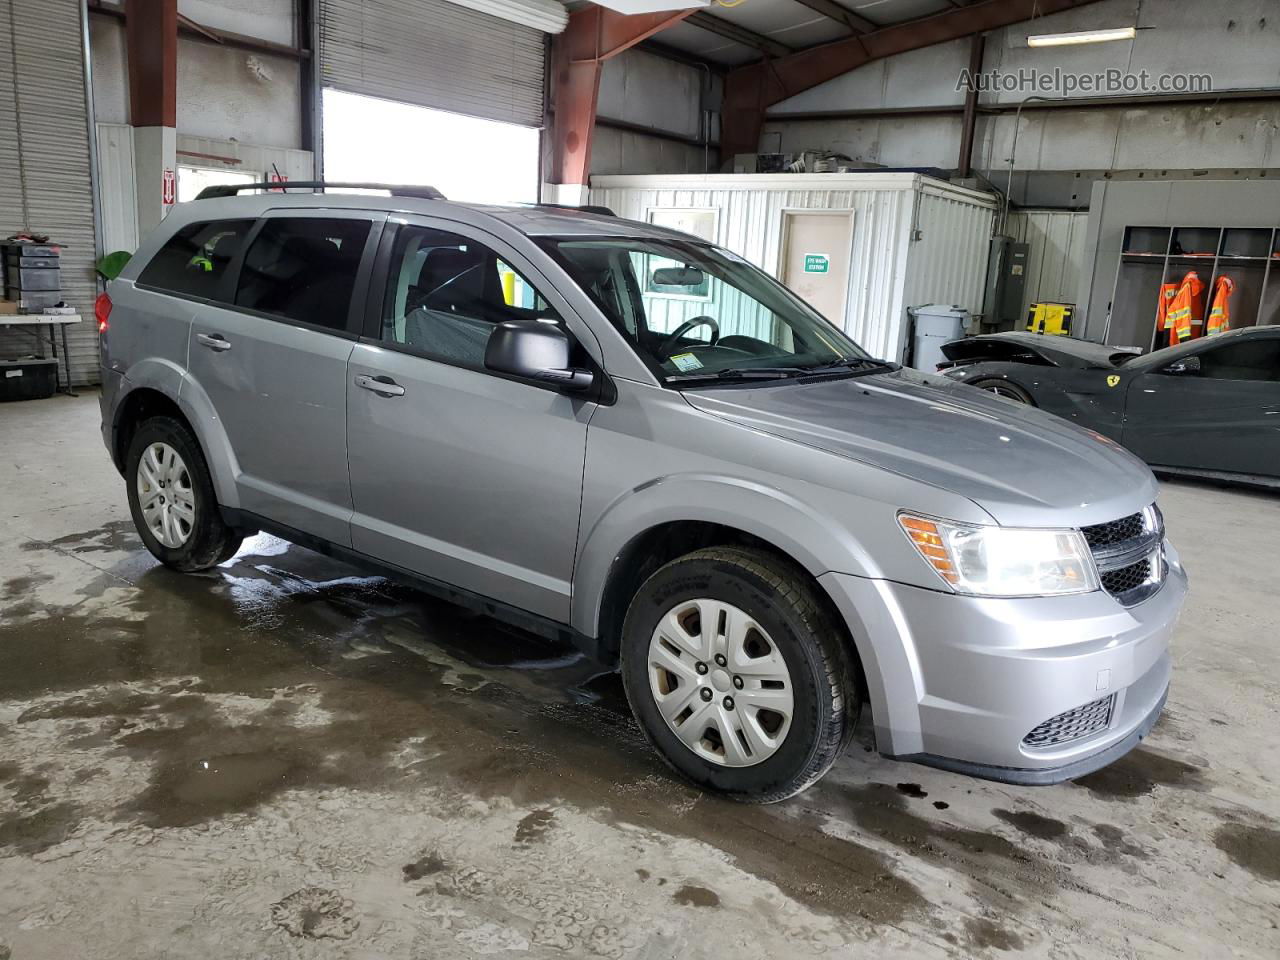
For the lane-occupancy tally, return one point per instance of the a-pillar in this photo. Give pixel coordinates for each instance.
(151, 33)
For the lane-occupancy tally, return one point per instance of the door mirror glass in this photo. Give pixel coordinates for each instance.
(534, 350)
(1184, 367)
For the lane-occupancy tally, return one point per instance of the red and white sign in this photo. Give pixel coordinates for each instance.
(169, 188)
(277, 178)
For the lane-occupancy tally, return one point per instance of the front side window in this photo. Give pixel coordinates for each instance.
(445, 293)
(194, 260)
(1250, 360)
(734, 322)
(304, 269)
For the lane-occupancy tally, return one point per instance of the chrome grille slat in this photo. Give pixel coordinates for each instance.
(1128, 554)
(1074, 724)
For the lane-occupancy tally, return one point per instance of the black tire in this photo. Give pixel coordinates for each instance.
(1007, 389)
(783, 599)
(211, 541)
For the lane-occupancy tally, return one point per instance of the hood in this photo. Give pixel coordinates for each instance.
(1023, 466)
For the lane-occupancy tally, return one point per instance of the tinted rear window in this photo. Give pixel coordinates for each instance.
(303, 268)
(195, 259)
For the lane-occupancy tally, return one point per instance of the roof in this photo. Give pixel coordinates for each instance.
(731, 36)
(533, 221)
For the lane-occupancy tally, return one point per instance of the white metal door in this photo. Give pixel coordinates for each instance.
(815, 259)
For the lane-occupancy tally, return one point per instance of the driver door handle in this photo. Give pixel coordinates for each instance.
(382, 386)
(214, 341)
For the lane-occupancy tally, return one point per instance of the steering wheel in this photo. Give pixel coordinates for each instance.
(665, 347)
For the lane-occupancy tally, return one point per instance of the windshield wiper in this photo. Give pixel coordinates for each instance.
(748, 373)
(852, 363)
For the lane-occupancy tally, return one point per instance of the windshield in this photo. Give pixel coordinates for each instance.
(695, 312)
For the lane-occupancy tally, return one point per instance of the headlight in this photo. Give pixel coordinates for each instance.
(1003, 561)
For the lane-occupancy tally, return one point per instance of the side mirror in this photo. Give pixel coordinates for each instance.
(1183, 367)
(534, 350)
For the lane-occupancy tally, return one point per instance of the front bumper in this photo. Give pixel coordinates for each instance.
(958, 682)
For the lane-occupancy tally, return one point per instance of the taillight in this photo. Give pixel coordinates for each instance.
(102, 312)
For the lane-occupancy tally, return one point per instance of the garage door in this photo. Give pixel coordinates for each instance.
(44, 153)
(436, 54)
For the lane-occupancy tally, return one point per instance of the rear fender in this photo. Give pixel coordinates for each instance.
(169, 379)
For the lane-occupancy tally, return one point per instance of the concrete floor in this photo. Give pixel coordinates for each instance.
(284, 757)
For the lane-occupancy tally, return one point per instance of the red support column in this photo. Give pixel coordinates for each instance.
(151, 34)
(594, 34)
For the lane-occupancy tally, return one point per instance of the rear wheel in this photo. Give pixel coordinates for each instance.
(172, 500)
(737, 674)
(1003, 388)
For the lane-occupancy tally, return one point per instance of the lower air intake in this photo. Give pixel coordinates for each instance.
(1073, 725)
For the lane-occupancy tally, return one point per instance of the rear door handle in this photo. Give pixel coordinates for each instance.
(214, 341)
(382, 386)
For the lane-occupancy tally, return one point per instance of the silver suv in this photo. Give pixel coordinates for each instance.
(620, 435)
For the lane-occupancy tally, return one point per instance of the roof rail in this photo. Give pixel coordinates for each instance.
(396, 190)
(585, 208)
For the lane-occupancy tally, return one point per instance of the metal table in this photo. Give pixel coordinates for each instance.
(53, 321)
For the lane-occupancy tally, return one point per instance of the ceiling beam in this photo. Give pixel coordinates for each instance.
(731, 31)
(834, 11)
(753, 88)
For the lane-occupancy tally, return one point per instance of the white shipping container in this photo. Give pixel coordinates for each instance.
(914, 239)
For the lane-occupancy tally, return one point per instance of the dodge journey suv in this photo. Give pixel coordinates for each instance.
(628, 438)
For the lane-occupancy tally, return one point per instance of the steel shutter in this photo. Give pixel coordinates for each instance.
(435, 54)
(44, 144)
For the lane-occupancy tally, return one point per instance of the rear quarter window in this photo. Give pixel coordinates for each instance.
(194, 260)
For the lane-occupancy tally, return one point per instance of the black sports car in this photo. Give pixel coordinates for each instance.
(1209, 407)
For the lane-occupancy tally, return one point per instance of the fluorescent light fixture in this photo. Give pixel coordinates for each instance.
(1083, 36)
(549, 16)
(632, 7)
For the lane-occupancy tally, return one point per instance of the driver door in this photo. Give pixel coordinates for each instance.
(1216, 409)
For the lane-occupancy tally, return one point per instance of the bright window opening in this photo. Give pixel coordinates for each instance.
(467, 159)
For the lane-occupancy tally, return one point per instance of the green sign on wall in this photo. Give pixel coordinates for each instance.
(816, 263)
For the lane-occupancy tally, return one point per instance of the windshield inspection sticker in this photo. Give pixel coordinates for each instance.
(686, 361)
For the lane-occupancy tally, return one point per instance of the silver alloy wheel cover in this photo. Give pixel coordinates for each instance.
(747, 715)
(165, 497)
(1001, 391)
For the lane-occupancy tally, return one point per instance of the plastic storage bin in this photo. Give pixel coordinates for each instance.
(28, 378)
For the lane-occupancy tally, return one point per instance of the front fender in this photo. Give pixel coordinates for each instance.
(817, 542)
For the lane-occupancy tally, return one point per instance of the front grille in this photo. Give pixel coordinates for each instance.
(1117, 531)
(1128, 578)
(1128, 554)
(1073, 725)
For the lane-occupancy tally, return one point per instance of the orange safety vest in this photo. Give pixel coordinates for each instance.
(1219, 314)
(1186, 309)
(1167, 293)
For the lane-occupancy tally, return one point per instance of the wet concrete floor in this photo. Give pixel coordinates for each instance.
(286, 757)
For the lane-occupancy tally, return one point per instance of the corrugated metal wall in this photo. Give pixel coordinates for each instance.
(1056, 257)
(886, 275)
(949, 260)
(44, 154)
(118, 184)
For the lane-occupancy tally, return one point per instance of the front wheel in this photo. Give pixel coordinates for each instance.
(1003, 388)
(172, 500)
(738, 676)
